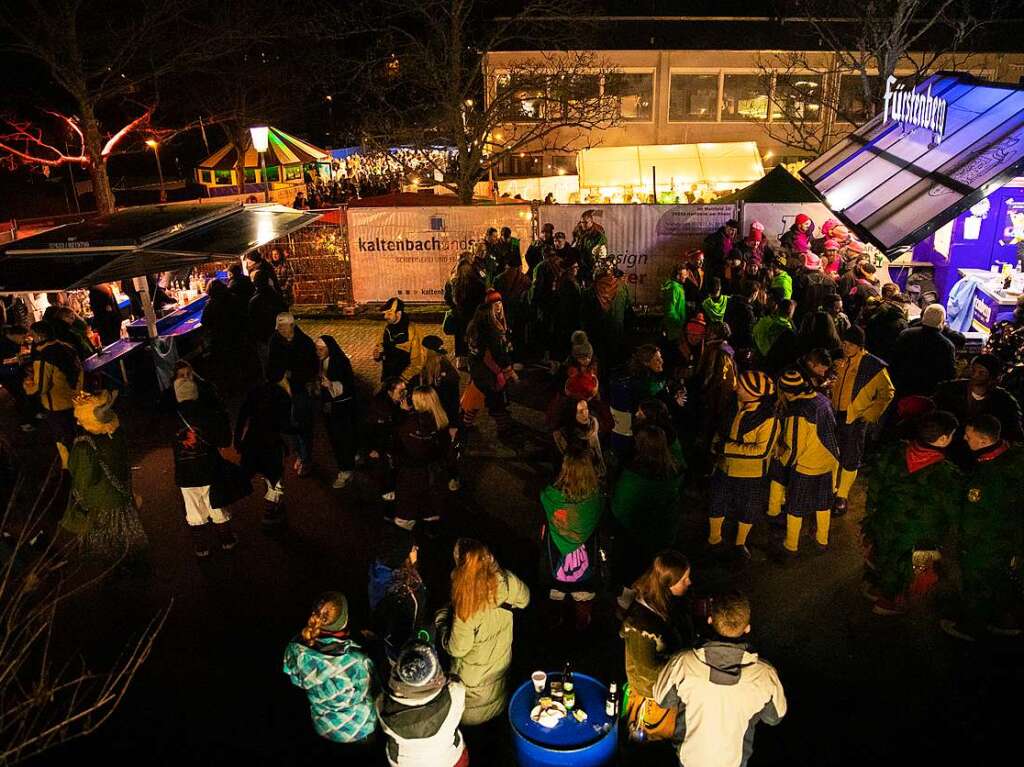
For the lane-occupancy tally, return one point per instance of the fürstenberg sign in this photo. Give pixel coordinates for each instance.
(920, 109)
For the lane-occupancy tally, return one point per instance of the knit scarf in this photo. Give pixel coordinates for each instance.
(920, 456)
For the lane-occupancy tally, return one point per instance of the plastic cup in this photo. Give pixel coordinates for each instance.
(540, 680)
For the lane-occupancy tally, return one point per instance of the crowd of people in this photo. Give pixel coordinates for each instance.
(778, 374)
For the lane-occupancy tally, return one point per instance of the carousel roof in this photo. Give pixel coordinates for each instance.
(282, 149)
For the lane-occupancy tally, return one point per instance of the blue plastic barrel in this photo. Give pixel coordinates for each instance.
(580, 744)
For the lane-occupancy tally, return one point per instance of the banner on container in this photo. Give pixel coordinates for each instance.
(410, 252)
(647, 241)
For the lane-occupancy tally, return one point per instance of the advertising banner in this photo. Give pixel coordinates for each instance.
(410, 252)
(647, 241)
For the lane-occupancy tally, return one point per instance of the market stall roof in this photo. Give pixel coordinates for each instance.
(934, 152)
(282, 149)
(143, 240)
(779, 185)
(736, 162)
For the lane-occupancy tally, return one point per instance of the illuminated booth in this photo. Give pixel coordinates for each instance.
(933, 182)
(287, 159)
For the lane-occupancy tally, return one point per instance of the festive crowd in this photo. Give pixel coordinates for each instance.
(779, 372)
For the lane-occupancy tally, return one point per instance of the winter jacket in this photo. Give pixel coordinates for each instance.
(739, 316)
(922, 358)
(955, 396)
(912, 498)
(883, 330)
(811, 288)
(748, 446)
(650, 640)
(383, 418)
(721, 691)
(201, 430)
(481, 650)
(673, 300)
(101, 480)
(648, 509)
(55, 375)
(403, 349)
(424, 733)
(782, 283)
(296, 357)
(338, 679)
(399, 604)
(807, 437)
(767, 330)
(714, 308)
(264, 307)
(991, 527)
(862, 389)
(717, 248)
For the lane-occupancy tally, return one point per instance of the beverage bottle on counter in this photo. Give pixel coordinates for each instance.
(611, 702)
(568, 688)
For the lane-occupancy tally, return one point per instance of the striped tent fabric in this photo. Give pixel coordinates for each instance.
(283, 149)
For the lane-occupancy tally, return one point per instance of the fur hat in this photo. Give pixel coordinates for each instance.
(933, 316)
(581, 346)
(417, 674)
(756, 383)
(94, 412)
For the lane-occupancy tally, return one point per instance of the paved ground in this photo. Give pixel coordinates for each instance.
(861, 689)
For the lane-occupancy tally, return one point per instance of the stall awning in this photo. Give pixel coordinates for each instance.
(140, 241)
(737, 162)
(935, 150)
(282, 149)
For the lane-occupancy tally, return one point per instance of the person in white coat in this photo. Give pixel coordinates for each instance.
(721, 690)
(420, 712)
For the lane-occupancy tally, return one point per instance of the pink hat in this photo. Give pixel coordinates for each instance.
(827, 226)
(838, 232)
(802, 218)
(854, 246)
(811, 261)
(831, 244)
(757, 225)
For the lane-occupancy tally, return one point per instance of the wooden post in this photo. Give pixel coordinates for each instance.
(147, 305)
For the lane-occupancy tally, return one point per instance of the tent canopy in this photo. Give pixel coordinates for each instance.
(939, 149)
(282, 149)
(732, 163)
(778, 186)
(143, 240)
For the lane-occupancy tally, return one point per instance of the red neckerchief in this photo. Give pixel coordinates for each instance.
(991, 452)
(920, 456)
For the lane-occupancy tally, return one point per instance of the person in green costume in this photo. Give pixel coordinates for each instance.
(673, 300)
(912, 496)
(991, 535)
(570, 554)
(715, 304)
(101, 507)
(645, 505)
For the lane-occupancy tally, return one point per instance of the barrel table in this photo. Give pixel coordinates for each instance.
(580, 744)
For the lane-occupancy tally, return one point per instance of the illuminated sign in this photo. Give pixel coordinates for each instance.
(918, 109)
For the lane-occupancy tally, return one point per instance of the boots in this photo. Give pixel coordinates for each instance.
(200, 541)
(226, 536)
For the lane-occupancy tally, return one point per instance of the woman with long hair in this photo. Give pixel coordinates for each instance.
(645, 504)
(440, 374)
(335, 673)
(479, 637)
(570, 554)
(654, 628)
(338, 399)
(421, 448)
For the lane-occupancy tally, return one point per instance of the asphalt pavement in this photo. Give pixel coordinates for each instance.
(861, 688)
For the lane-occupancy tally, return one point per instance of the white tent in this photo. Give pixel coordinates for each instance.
(718, 166)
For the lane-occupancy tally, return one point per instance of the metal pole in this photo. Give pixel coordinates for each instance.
(266, 181)
(654, 182)
(147, 305)
(160, 173)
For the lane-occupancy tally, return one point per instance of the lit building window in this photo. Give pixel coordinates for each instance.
(634, 92)
(693, 98)
(744, 98)
(853, 105)
(797, 98)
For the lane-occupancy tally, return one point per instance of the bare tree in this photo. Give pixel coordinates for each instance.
(104, 59)
(812, 104)
(429, 87)
(47, 698)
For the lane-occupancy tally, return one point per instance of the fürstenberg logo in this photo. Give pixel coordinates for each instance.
(920, 109)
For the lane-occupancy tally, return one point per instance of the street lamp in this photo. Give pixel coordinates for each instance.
(155, 146)
(260, 142)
